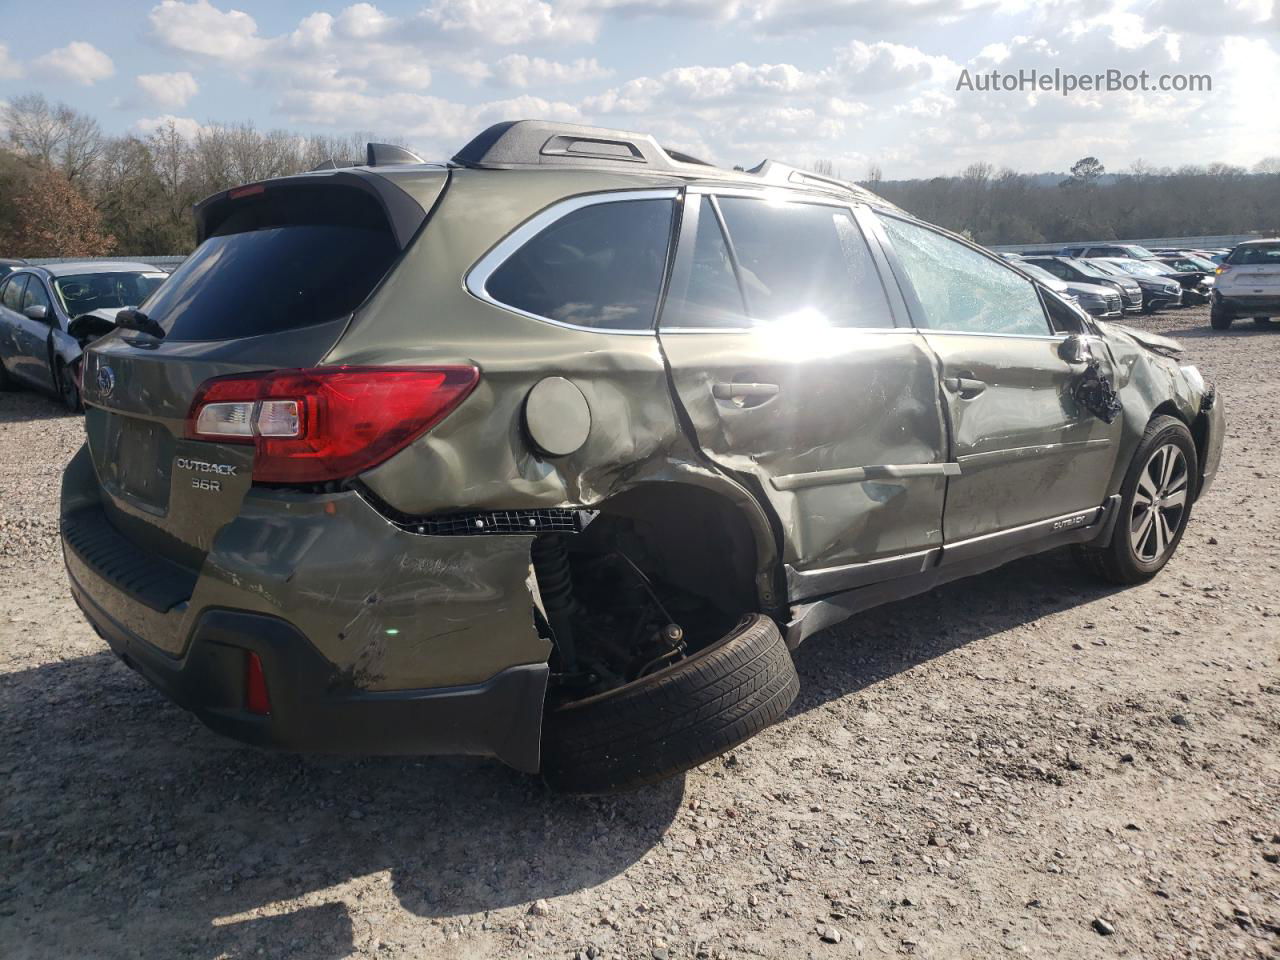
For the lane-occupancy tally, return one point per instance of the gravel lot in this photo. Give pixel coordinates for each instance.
(1026, 762)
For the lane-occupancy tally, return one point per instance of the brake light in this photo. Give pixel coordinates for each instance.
(328, 423)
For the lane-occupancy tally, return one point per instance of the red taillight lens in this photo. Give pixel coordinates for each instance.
(255, 686)
(329, 423)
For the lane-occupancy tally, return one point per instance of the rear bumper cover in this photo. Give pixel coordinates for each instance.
(311, 711)
(1248, 303)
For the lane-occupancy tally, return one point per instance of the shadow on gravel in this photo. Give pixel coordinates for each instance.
(880, 643)
(1243, 327)
(127, 829)
(125, 815)
(24, 406)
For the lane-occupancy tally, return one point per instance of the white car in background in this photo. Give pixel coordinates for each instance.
(1247, 284)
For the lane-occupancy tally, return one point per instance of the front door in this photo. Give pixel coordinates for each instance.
(1027, 451)
(789, 365)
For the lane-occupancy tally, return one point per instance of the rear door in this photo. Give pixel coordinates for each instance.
(1027, 451)
(789, 359)
(10, 314)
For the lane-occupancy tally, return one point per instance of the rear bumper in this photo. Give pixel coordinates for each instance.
(312, 710)
(1248, 303)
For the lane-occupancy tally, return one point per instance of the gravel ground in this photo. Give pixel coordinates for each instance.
(1026, 762)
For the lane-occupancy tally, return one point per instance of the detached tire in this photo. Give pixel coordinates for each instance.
(674, 719)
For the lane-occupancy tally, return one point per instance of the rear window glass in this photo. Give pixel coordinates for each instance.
(1256, 255)
(287, 259)
(598, 266)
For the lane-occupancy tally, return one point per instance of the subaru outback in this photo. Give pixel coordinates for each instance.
(554, 452)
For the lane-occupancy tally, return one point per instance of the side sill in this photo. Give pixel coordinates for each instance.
(976, 556)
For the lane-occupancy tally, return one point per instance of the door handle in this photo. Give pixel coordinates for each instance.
(744, 394)
(966, 387)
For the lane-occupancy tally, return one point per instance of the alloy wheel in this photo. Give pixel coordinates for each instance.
(1159, 503)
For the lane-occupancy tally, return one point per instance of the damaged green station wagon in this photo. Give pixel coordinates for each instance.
(554, 452)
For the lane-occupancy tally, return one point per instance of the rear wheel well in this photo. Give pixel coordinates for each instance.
(661, 571)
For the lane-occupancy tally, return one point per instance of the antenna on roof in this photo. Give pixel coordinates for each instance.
(385, 154)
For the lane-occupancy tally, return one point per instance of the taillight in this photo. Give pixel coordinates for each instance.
(328, 423)
(1222, 269)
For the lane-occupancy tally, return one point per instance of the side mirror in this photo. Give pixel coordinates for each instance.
(1076, 349)
(37, 311)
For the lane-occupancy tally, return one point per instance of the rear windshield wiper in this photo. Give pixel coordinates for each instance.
(137, 320)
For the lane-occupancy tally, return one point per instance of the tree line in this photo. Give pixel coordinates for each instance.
(68, 189)
(1002, 206)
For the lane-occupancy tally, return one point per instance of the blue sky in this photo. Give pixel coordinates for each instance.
(856, 82)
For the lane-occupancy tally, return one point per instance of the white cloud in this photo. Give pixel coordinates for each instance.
(168, 89)
(201, 28)
(9, 68)
(507, 22)
(185, 126)
(78, 60)
(518, 70)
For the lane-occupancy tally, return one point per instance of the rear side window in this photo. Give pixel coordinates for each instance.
(599, 266)
(962, 290)
(12, 296)
(804, 263)
(712, 298)
(289, 258)
(1256, 255)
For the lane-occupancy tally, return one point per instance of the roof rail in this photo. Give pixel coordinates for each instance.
(771, 171)
(525, 143)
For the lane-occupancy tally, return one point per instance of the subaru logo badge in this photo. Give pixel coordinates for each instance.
(106, 381)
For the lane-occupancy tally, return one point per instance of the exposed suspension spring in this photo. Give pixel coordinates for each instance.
(555, 584)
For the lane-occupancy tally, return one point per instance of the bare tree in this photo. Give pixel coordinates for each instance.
(53, 135)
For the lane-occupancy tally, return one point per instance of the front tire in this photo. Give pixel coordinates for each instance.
(1262, 321)
(672, 720)
(1155, 505)
(65, 384)
(1219, 319)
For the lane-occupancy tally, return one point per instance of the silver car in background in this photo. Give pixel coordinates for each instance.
(37, 306)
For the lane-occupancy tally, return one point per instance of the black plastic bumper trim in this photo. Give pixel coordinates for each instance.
(313, 710)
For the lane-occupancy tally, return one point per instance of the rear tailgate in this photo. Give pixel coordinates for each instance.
(281, 271)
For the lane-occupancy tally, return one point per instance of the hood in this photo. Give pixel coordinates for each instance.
(1164, 346)
(1090, 289)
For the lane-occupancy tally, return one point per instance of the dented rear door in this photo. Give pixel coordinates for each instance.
(791, 366)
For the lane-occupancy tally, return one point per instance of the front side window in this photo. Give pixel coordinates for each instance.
(12, 296)
(962, 290)
(598, 266)
(35, 296)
